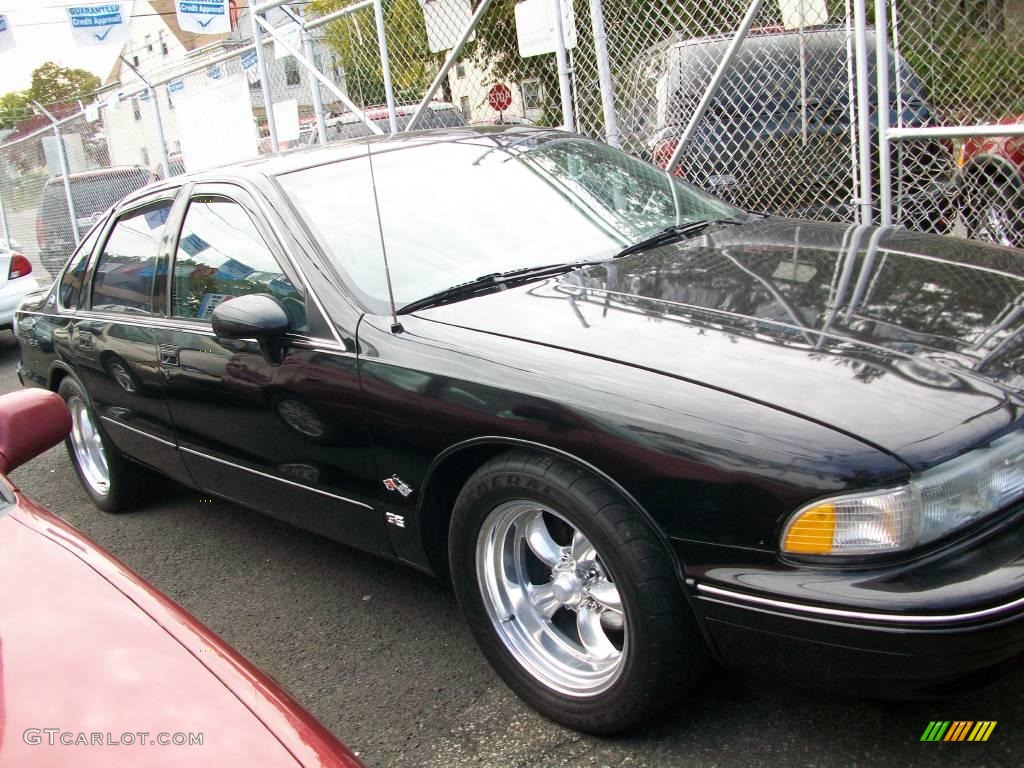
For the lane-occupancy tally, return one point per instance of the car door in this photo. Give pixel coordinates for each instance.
(287, 438)
(112, 336)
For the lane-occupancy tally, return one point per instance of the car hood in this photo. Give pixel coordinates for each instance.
(87, 648)
(908, 342)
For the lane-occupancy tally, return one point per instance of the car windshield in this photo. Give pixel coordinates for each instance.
(455, 210)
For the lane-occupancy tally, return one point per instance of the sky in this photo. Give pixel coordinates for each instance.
(42, 33)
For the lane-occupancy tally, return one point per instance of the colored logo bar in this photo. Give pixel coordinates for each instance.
(958, 730)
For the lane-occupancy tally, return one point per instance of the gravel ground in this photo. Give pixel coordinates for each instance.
(380, 654)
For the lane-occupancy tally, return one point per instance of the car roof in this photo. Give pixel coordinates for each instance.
(308, 157)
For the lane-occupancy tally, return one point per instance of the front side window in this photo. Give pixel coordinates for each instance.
(455, 210)
(221, 254)
(127, 266)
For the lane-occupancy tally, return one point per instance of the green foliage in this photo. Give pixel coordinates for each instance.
(14, 106)
(51, 83)
(355, 39)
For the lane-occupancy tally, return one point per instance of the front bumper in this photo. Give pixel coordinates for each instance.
(914, 628)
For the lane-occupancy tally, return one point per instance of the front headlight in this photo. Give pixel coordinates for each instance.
(932, 504)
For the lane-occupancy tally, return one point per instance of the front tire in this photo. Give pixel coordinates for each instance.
(571, 595)
(113, 483)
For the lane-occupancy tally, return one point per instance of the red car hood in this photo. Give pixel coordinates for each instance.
(87, 647)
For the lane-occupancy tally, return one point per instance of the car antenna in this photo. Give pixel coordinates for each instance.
(396, 325)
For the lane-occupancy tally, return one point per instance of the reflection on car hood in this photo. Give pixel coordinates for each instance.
(909, 342)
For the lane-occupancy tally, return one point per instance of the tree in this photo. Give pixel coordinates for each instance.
(355, 39)
(53, 83)
(14, 106)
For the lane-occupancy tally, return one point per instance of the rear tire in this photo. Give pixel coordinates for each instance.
(571, 595)
(113, 483)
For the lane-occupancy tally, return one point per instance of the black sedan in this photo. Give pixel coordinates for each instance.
(638, 429)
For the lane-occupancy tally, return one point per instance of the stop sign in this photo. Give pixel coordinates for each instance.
(500, 97)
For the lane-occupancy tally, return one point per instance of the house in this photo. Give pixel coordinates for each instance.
(470, 85)
(158, 48)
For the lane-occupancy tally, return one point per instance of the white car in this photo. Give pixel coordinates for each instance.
(16, 281)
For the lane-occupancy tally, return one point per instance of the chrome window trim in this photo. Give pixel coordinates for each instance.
(329, 495)
(137, 431)
(717, 594)
(173, 324)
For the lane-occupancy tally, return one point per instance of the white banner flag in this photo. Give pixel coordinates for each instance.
(100, 24)
(446, 20)
(207, 17)
(797, 14)
(6, 36)
(292, 34)
(535, 26)
(216, 123)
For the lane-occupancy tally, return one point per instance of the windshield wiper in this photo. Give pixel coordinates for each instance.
(673, 234)
(494, 281)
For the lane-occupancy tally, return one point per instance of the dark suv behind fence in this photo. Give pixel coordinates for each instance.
(92, 192)
(776, 136)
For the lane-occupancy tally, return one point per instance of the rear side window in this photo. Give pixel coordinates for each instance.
(74, 275)
(127, 265)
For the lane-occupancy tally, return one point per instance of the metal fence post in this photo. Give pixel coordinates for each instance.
(385, 64)
(261, 66)
(314, 87)
(604, 74)
(64, 168)
(883, 112)
(564, 73)
(161, 139)
(716, 80)
(860, 43)
(3, 219)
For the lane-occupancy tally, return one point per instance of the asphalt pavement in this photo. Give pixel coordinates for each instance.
(379, 653)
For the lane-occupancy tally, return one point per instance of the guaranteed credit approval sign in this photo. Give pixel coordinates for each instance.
(206, 17)
(100, 24)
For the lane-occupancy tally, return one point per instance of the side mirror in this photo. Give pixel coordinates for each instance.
(31, 421)
(255, 316)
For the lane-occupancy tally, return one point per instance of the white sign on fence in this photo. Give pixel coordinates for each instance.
(100, 24)
(205, 17)
(216, 123)
(6, 36)
(286, 120)
(74, 152)
(797, 14)
(535, 26)
(446, 20)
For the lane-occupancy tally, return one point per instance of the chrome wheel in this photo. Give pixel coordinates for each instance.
(551, 598)
(88, 447)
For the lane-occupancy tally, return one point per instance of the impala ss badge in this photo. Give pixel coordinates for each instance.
(395, 483)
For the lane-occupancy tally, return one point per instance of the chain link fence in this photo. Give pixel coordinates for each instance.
(967, 56)
(791, 127)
